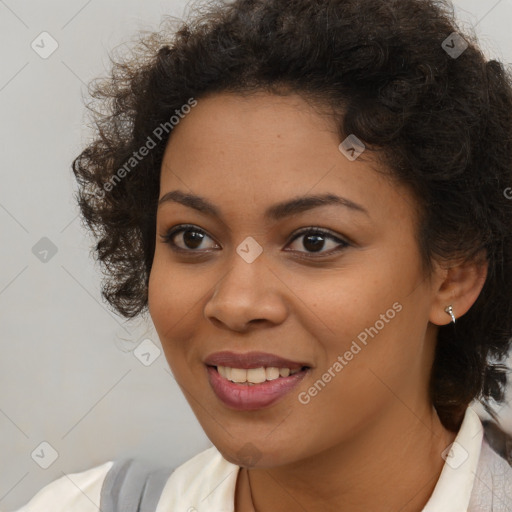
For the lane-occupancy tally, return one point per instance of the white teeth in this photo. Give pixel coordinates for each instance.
(238, 375)
(272, 373)
(255, 375)
(284, 372)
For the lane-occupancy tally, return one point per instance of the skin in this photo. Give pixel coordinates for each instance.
(356, 445)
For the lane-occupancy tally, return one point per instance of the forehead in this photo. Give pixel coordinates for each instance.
(261, 149)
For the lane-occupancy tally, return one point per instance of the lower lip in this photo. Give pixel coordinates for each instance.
(248, 398)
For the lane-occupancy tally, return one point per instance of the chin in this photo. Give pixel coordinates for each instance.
(252, 455)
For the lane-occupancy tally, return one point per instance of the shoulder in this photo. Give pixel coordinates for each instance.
(74, 492)
(492, 488)
(203, 483)
(493, 463)
(132, 485)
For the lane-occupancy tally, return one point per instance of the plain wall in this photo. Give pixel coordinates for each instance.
(68, 373)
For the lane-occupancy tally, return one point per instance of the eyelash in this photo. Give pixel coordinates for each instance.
(168, 239)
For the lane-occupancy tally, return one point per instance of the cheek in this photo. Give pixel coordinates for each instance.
(337, 312)
(164, 303)
(174, 303)
(365, 331)
(171, 295)
(165, 313)
(157, 300)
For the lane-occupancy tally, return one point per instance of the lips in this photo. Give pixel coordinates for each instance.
(243, 397)
(250, 360)
(246, 396)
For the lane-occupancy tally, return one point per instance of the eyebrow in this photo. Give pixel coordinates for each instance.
(275, 212)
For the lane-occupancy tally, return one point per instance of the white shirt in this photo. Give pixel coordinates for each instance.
(473, 479)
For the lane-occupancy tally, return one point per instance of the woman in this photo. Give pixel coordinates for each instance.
(311, 199)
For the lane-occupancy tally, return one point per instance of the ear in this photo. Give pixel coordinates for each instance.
(458, 285)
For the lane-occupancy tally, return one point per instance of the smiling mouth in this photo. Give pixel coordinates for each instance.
(253, 390)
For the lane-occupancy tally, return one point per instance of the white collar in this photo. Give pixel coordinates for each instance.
(453, 489)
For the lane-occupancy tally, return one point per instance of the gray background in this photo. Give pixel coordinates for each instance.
(68, 373)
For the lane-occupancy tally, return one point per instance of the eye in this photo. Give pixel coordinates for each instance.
(315, 241)
(191, 238)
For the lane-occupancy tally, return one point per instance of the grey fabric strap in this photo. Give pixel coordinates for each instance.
(132, 486)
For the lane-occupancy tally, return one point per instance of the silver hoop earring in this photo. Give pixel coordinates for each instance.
(449, 310)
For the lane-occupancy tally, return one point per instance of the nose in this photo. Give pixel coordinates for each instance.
(247, 294)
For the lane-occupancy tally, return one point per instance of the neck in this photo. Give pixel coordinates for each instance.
(394, 464)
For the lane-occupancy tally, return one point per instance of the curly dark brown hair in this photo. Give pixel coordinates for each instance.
(387, 69)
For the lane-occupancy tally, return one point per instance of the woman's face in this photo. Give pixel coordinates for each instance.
(351, 304)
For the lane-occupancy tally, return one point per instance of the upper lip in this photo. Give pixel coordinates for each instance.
(249, 360)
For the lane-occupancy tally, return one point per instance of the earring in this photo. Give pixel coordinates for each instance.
(449, 310)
